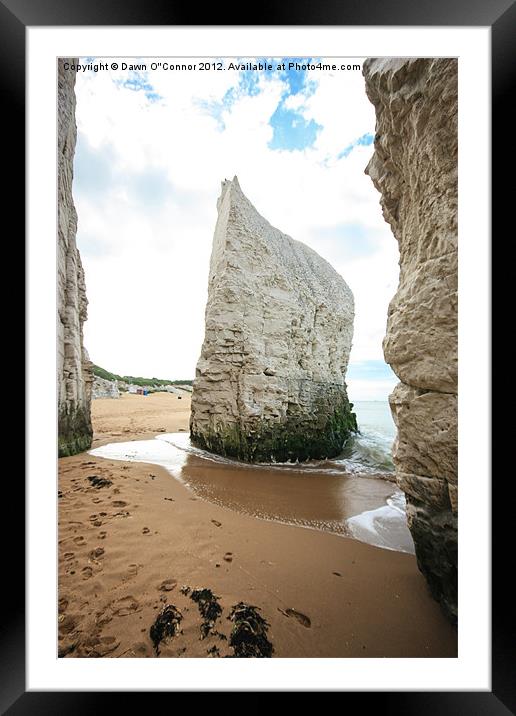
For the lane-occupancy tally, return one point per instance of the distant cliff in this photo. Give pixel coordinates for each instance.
(279, 323)
(414, 167)
(103, 388)
(74, 376)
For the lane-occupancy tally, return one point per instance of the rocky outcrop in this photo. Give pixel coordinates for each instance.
(279, 322)
(103, 388)
(414, 166)
(74, 376)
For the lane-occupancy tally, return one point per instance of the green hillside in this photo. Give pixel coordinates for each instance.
(136, 380)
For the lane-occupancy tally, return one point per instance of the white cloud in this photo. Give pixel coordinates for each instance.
(146, 262)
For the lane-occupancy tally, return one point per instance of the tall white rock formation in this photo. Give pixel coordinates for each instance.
(279, 323)
(414, 167)
(74, 375)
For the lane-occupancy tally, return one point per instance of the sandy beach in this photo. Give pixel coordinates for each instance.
(129, 547)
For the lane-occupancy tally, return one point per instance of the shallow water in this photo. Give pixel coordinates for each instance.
(341, 496)
(370, 451)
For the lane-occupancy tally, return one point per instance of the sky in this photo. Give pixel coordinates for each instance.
(152, 149)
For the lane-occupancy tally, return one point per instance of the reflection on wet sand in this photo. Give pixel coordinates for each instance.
(318, 495)
(285, 493)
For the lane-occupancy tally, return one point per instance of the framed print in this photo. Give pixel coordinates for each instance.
(271, 221)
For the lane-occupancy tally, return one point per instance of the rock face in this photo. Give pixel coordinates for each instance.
(103, 388)
(279, 323)
(414, 167)
(74, 376)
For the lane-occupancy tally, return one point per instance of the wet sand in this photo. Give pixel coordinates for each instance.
(127, 548)
(318, 494)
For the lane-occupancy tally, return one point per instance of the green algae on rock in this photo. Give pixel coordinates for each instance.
(74, 431)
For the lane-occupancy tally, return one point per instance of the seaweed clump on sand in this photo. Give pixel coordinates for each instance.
(209, 609)
(98, 482)
(249, 634)
(166, 625)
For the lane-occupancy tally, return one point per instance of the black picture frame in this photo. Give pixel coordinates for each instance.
(500, 16)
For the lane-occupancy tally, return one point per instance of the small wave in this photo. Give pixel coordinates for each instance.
(384, 527)
(367, 453)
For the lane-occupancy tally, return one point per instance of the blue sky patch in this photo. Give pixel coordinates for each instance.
(296, 79)
(248, 86)
(138, 82)
(364, 141)
(291, 130)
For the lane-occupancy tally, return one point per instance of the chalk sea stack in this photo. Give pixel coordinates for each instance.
(269, 384)
(414, 166)
(74, 369)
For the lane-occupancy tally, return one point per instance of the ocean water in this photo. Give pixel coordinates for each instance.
(351, 494)
(370, 450)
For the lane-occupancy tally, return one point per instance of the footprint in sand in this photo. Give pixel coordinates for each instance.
(133, 569)
(102, 535)
(62, 605)
(105, 645)
(87, 572)
(96, 553)
(67, 623)
(145, 531)
(79, 540)
(97, 523)
(167, 585)
(301, 618)
(119, 503)
(125, 606)
(217, 523)
(228, 557)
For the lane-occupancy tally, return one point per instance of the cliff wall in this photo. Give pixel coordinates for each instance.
(414, 167)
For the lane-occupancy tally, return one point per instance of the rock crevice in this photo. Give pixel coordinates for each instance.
(74, 373)
(278, 328)
(414, 167)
